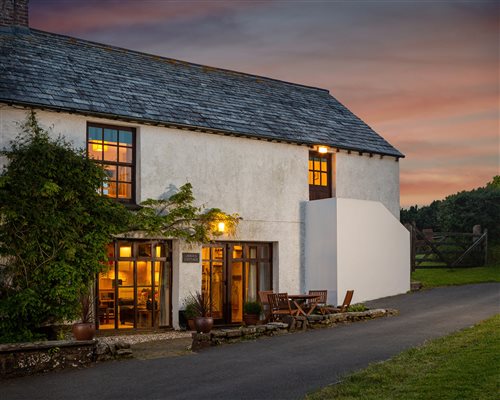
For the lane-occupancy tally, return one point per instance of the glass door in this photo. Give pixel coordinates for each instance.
(213, 281)
(135, 291)
(233, 273)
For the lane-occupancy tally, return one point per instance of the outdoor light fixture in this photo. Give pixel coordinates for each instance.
(322, 149)
(221, 226)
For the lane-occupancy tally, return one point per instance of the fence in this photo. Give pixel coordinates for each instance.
(431, 249)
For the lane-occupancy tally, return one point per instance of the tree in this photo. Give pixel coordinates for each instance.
(53, 230)
(461, 211)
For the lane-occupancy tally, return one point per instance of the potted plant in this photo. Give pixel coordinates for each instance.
(85, 329)
(251, 312)
(190, 312)
(203, 321)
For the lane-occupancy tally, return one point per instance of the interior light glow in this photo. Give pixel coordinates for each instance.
(125, 251)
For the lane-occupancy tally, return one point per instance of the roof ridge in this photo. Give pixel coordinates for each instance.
(201, 66)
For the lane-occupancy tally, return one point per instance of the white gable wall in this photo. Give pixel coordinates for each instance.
(368, 178)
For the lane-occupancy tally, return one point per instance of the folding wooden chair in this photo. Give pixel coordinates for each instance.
(320, 302)
(345, 305)
(280, 306)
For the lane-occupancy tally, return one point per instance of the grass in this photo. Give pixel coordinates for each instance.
(464, 365)
(456, 276)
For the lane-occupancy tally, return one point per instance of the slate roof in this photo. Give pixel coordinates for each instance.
(59, 72)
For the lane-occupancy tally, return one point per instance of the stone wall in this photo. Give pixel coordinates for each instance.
(21, 359)
(223, 336)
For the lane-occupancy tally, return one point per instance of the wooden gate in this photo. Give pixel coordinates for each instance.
(448, 249)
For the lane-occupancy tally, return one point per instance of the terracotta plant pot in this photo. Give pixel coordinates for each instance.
(83, 331)
(190, 323)
(251, 319)
(203, 324)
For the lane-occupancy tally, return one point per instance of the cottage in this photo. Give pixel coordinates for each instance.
(317, 188)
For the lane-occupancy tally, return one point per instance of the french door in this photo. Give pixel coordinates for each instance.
(135, 290)
(233, 273)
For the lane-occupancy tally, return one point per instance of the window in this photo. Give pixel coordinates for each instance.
(320, 176)
(113, 148)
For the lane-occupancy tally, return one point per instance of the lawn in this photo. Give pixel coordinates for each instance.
(464, 365)
(456, 276)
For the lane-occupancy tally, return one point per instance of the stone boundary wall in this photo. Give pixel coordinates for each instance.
(20, 359)
(222, 336)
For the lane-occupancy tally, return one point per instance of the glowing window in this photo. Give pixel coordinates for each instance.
(113, 148)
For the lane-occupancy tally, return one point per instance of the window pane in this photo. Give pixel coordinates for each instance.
(125, 174)
(311, 178)
(160, 250)
(94, 151)
(205, 253)
(110, 135)
(145, 250)
(109, 189)
(125, 250)
(110, 171)
(264, 252)
(323, 179)
(125, 155)
(124, 191)
(316, 165)
(237, 252)
(253, 252)
(95, 133)
(323, 165)
(310, 165)
(316, 178)
(126, 314)
(126, 138)
(217, 253)
(110, 153)
(264, 276)
(143, 274)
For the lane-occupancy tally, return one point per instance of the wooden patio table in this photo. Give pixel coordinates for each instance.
(301, 298)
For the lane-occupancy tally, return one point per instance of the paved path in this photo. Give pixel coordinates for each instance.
(284, 367)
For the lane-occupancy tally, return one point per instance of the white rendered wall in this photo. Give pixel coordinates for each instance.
(321, 246)
(368, 178)
(355, 244)
(263, 182)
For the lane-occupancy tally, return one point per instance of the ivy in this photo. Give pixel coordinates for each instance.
(53, 230)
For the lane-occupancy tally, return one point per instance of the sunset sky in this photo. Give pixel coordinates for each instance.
(423, 74)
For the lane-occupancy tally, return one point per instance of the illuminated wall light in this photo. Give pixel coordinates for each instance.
(125, 251)
(322, 149)
(221, 226)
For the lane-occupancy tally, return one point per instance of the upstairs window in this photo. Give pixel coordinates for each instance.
(320, 176)
(113, 148)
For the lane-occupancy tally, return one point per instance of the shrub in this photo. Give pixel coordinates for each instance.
(252, 307)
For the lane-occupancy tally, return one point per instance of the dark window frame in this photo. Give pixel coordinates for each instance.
(318, 192)
(132, 165)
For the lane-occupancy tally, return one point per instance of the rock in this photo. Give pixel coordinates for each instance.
(124, 353)
(231, 333)
(250, 330)
(219, 334)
